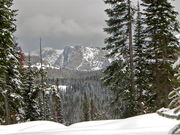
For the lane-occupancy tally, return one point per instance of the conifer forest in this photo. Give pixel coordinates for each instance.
(138, 68)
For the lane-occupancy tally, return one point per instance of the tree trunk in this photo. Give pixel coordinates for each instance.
(131, 48)
(7, 110)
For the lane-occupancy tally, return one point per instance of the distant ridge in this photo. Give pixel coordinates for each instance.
(73, 57)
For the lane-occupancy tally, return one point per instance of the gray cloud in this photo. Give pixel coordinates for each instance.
(61, 22)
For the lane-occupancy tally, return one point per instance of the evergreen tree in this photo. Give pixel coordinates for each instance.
(144, 93)
(175, 99)
(9, 66)
(93, 110)
(86, 112)
(47, 113)
(44, 94)
(44, 90)
(30, 93)
(94, 113)
(174, 94)
(162, 45)
(57, 104)
(119, 76)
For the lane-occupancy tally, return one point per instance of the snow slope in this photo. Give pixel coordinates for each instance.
(149, 124)
(31, 127)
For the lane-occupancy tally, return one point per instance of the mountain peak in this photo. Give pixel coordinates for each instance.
(75, 58)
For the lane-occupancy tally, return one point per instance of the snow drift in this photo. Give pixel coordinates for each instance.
(149, 124)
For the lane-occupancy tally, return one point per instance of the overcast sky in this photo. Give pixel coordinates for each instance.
(61, 22)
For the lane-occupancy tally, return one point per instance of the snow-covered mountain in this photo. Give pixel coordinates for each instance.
(74, 57)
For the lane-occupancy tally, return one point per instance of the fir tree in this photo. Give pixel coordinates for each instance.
(44, 95)
(46, 104)
(119, 76)
(57, 104)
(86, 112)
(93, 110)
(144, 93)
(175, 99)
(162, 45)
(44, 90)
(94, 113)
(30, 93)
(9, 66)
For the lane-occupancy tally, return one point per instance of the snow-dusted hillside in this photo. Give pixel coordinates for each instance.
(150, 124)
(74, 57)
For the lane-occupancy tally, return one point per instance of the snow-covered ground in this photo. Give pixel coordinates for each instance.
(149, 124)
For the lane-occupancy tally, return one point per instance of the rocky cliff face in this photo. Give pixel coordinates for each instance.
(75, 58)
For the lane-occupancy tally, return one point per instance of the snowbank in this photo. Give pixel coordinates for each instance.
(37, 126)
(149, 124)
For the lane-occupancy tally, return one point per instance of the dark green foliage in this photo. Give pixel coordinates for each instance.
(57, 104)
(43, 101)
(144, 92)
(9, 66)
(96, 114)
(175, 99)
(119, 76)
(44, 92)
(30, 93)
(174, 94)
(93, 111)
(119, 84)
(47, 112)
(162, 45)
(86, 111)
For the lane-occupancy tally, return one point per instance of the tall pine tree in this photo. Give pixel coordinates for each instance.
(30, 93)
(86, 111)
(119, 76)
(174, 96)
(9, 66)
(162, 45)
(144, 93)
(57, 103)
